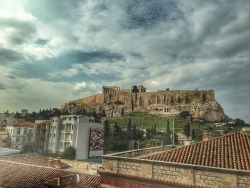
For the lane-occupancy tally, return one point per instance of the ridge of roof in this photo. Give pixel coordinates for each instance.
(24, 123)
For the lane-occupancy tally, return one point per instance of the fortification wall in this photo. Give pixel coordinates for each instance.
(98, 98)
(199, 102)
(161, 97)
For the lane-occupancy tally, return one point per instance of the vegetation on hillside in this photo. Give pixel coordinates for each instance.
(141, 129)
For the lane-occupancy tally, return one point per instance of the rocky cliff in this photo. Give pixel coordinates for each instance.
(115, 102)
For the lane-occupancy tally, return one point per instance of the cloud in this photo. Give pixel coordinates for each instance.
(8, 55)
(2, 87)
(160, 44)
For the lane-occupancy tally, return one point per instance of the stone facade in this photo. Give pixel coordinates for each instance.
(161, 174)
(114, 101)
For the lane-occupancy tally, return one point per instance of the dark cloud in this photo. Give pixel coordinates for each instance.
(147, 14)
(2, 87)
(21, 31)
(11, 77)
(94, 56)
(63, 63)
(9, 55)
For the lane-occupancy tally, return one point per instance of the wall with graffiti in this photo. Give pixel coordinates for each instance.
(95, 141)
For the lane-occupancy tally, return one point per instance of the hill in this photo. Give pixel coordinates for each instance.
(115, 102)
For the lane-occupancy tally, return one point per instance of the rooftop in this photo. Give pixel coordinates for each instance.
(8, 151)
(230, 151)
(24, 124)
(30, 171)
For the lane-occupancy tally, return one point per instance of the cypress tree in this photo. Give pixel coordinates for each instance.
(168, 138)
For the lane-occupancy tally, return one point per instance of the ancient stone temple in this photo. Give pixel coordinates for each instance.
(115, 100)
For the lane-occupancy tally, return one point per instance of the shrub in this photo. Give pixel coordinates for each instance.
(69, 153)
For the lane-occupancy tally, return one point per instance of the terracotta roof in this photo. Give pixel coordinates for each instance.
(18, 174)
(32, 159)
(231, 151)
(24, 124)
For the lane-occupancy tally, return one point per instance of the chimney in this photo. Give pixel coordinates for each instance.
(57, 162)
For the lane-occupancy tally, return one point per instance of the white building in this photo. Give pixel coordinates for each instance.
(76, 131)
(19, 133)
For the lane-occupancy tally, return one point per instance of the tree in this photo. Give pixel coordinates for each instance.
(187, 130)
(129, 126)
(184, 114)
(117, 130)
(28, 147)
(168, 137)
(107, 136)
(107, 131)
(193, 134)
(239, 122)
(69, 153)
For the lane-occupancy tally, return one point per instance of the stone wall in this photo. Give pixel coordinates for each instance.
(174, 172)
(200, 102)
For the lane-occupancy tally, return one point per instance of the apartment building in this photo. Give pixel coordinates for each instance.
(19, 133)
(76, 131)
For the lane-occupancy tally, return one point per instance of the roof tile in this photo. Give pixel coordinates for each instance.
(230, 151)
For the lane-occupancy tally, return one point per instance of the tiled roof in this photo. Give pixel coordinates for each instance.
(32, 159)
(231, 151)
(25, 171)
(24, 124)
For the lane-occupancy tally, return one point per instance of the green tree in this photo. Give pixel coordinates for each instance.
(119, 139)
(168, 134)
(239, 122)
(184, 114)
(193, 134)
(187, 130)
(129, 127)
(69, 153)
(107, 136)
(28, 147)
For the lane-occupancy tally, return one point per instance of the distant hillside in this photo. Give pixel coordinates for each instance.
(115, 102)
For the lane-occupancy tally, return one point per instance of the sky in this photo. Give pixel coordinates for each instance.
(55, 51)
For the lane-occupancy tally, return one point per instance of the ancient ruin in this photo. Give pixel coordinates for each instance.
(115, 101)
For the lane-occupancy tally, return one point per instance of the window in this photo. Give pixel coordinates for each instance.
(61, 145)
(166, 110)
(62, 136)
(68, 126)
(25, 131)
(66, 145)
(17, 140)
(67, 136)
(18, 131)
(72, 127)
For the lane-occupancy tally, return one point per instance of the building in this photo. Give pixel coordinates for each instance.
(41, 135)
(33, 170)
(220, 162)
(3, 138)
(77, 131)
(19, 133)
